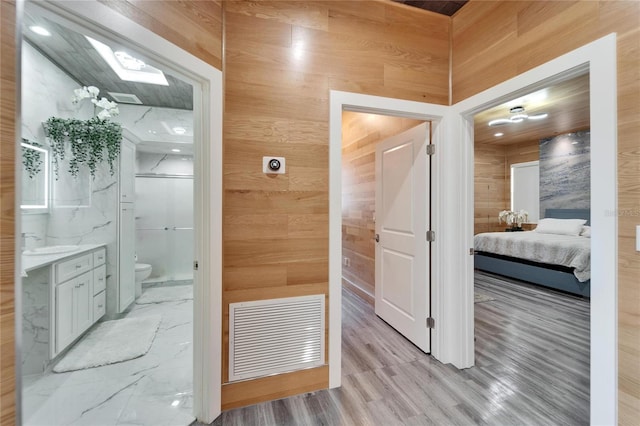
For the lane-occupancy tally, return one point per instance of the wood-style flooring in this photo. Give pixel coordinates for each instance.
(532, 368)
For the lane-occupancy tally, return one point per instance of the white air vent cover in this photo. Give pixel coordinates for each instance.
(276, 335)
(125, 98)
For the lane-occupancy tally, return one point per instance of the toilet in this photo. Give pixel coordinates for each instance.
(143, 270)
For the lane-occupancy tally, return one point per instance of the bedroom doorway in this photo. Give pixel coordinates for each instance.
(599, 57)
(544, 136)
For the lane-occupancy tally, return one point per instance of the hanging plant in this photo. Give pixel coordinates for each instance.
(31, 159)
(86, 141)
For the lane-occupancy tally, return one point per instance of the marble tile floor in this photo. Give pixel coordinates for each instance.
(532, 368)
(155, 389)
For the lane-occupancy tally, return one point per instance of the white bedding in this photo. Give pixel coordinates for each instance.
(565, 250)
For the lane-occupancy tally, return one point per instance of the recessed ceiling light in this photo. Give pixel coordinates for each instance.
(126, 66)
(179, 130)
(498, 134)
(175, 150)
(40, 30)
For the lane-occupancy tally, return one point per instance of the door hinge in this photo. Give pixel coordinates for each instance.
(431, 236)
(431, 323)
(195, 265)
(431, 149)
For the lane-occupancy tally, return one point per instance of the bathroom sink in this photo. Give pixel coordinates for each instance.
(41, 251)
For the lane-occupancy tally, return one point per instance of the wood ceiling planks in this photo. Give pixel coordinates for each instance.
(567, 104)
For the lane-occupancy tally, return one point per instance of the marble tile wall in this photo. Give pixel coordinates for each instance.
(35, 322)
(46, 91)
(565, 171)
(147, 162)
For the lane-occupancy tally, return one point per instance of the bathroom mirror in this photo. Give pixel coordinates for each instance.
(35, 178)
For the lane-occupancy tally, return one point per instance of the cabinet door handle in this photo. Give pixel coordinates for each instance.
(99, 306)
(78, 266)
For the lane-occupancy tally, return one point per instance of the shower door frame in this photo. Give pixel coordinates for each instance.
(83, 16)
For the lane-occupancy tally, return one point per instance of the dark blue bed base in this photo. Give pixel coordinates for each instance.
(556, 277)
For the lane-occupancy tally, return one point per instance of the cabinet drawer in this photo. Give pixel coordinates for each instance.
(99, 257)
(73, 267)
(99, 306)
(99, 279)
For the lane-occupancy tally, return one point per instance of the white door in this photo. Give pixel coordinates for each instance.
(127, 171)
(402, 221)
(126, 261)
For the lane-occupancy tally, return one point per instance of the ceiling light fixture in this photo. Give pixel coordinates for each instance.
(175, 150)
(518, 115)
(127, 67)
(179, 130)
(40, 30)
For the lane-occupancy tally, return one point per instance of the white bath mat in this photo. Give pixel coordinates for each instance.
(111, 342)
(165, 294)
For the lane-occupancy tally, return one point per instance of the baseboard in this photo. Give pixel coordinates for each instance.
(361, 292)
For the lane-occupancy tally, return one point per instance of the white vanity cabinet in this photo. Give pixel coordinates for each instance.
(74, 309)
(79, 296)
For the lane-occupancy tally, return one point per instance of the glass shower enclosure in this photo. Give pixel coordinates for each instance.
(164, 226)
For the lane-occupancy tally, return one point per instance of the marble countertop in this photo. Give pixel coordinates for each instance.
(29, 263)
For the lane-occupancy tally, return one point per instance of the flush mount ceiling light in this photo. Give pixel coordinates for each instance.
(40, 30)
(518, 115)
(175, 150)
(127, 67)
(179, 130)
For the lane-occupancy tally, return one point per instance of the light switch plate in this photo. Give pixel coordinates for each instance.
(637, 237)
(269, 171)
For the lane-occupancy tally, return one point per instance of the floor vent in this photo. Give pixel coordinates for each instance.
(276, 335)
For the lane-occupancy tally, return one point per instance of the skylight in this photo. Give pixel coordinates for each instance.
(127, 67)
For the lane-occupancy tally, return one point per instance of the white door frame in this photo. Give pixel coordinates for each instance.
(599, 58)
(102, 22)
(346, 101)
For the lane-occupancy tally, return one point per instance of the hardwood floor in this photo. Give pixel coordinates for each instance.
(532, 368)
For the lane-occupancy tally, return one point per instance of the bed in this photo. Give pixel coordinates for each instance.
(560, 262)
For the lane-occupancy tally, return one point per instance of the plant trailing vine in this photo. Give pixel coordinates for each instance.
(86, 141)
(31, 159)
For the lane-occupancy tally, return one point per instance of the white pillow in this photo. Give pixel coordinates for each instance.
(560, 226)
(586, 231)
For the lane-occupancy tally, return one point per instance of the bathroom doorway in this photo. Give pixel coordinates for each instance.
(96, 394)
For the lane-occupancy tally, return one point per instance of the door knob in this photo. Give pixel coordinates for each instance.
(377, 238)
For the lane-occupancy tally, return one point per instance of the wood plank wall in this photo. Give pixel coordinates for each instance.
(195, 26)
(360, 135)
(281, 60)
(8, 143)
(489, 187)
(497, 40)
